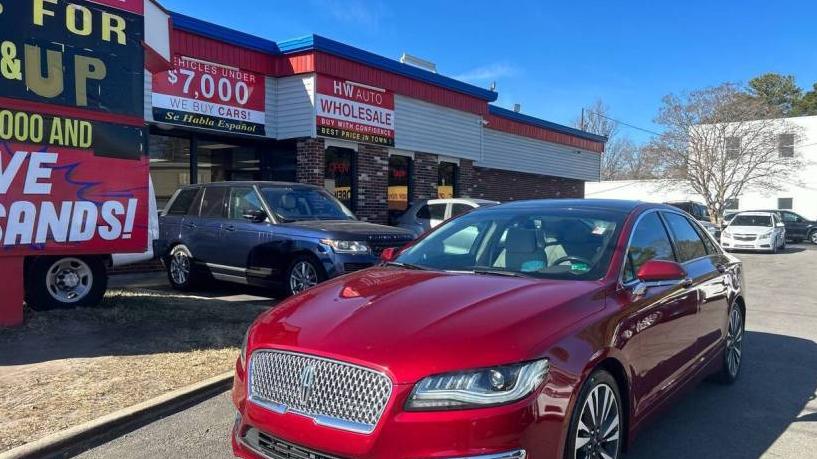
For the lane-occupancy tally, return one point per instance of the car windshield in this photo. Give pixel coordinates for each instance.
(752, 220)
(291, 204)
(549, 243)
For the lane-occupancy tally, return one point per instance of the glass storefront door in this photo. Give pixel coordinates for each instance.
(339, 174)
(224, 162)
(169, 165)
(399, 186)
(447, 181)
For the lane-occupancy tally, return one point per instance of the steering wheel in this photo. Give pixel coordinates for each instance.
(572, 258)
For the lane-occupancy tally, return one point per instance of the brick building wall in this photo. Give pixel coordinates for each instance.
(310, 161)
(372, 183)
(466, 182)
(513, 186)
(425, 176)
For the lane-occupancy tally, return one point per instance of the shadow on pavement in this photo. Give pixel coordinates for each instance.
(778, 378)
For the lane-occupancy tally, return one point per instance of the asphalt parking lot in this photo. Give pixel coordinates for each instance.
(770, 412)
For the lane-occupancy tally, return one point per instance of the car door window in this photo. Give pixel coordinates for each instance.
(213, 202)
(459, 209)
(181, 205)
(424, 213)
(437, 211)
(243, 201)
(789, 217)
(689, 244)
(650, 241)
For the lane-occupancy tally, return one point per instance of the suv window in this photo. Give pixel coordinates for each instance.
(243, 200)
(212, 205)
(459, 209)
(791, 217)
(650, 242)
(432, 211)
(687, 240)
(181, 205)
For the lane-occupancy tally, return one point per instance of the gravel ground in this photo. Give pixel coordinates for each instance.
(770, 412)
(63, 368)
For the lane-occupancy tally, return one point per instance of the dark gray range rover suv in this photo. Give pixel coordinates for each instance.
(269, 234)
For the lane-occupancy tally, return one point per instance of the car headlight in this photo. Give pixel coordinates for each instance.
(726, 234)
(347, 246)
(478, 388)
(243, 355)
(766, 235)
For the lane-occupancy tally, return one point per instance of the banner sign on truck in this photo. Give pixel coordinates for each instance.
(354, 111)
(73, 167)
(210, 96)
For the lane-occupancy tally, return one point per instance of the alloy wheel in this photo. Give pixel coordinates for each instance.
(69, 280)
(599, 432)
(303, 276)
(734, 342)
(180, 268)
(813, 237)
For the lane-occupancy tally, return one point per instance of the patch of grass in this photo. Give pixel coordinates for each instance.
(65, 367)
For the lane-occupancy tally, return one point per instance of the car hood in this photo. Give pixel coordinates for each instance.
(412, 324)
(749, 229)
(352, 229)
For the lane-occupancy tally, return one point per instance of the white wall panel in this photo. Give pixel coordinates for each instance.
(295, 107)
(270, 102)
(421, 126)
(522, 154)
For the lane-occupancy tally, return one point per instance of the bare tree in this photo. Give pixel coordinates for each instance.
(622, 158)
(719, 142)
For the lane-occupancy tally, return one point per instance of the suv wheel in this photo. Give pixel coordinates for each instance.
(813, 237)
(180, 268)
(304, 273)
(65, 282)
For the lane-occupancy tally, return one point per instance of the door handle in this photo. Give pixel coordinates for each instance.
(189, 225)
(686, 283)
(229, 228)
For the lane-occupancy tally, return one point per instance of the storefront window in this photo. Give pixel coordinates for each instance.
(219, 162)
(339, 178)
(169, 165)
(446, 184)
(399, 185)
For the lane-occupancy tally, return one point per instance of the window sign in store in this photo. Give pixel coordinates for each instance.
(210, 96)
(354, 112)
(73, 168)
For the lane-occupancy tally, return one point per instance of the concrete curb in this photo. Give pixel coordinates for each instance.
(79, 438)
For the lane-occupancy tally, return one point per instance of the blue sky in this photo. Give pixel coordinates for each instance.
(554, 57)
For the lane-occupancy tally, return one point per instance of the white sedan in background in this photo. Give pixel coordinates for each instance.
(757, 231)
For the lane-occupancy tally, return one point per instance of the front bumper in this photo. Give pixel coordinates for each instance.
(337, 264)
(529, 429)
(761, 245)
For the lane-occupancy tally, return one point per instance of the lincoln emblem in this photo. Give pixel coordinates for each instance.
(307, 380)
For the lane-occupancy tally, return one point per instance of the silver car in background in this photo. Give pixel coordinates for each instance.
(427, 214)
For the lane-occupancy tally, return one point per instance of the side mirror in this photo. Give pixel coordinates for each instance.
(781, 225)
(389, 254)
(255, 216)
(661, 271)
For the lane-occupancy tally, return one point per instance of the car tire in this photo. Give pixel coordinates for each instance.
(180, 269)
(589, 434)
(304, 272)
(733, 353)
(65, 282)
(813, 237)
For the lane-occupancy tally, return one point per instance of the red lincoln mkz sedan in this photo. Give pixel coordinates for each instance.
(539, 329)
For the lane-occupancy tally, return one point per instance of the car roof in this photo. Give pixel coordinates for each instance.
(618, 205)
(259, 183)
(757, 213)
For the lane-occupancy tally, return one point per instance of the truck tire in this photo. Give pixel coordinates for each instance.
(65, 282)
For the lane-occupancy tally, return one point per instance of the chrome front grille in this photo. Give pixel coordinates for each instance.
(379, 242)
(332, 393)
(746, 237)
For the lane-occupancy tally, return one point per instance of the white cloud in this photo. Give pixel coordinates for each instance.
(488, 73)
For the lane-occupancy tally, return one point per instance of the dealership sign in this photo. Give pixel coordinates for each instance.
(73, 170)
(210, 96)
(354, 111)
